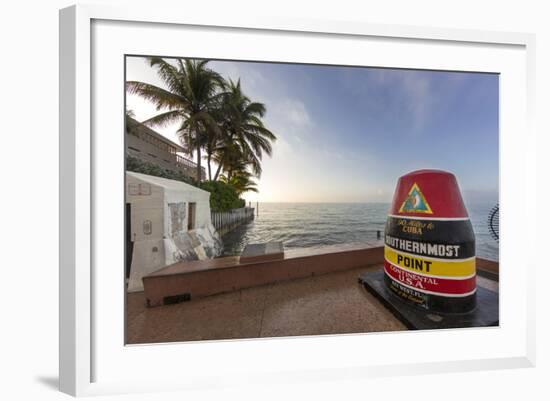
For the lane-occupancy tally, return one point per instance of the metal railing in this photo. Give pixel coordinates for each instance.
(189, 166)
(183, 162)
(168, 151)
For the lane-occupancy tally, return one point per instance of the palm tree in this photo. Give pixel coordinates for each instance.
(241, 180)
(230, 158)
(193, 91)
(244, 136)
(214, 136)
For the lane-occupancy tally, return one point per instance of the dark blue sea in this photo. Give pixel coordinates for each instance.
(313, 225)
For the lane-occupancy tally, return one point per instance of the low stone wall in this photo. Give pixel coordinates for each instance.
(487, 268)
(184, 281)
(187, 280)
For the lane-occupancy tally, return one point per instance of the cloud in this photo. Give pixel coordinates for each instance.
(420, 97)
(289, 118)
(302, 165)
(296, 112)
(252, 80)
(284, 111)
(409, 94)
(305, 165)
(415, 93)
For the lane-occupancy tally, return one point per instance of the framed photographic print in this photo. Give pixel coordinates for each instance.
(296, 198)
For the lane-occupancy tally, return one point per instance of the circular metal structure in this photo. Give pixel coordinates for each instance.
(493, 222)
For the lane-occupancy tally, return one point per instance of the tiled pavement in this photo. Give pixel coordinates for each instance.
(328, 304)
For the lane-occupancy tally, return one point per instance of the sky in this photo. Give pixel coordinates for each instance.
(346, 134)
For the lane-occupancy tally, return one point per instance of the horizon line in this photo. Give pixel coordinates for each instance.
(354, 202)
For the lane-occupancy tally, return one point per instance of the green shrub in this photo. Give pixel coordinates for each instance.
(223, 197)
(138, 166)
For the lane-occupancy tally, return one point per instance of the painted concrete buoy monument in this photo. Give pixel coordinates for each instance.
(429, 252)
(429, 273)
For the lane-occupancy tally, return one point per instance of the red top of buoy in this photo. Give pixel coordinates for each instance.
(428, 194)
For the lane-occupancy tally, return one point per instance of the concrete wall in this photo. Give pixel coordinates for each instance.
(147, 228)
(190, 195)
(159, 225)
(147, 202)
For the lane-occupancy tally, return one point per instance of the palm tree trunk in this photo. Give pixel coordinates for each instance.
(209, 168)
(222, 160)
(199, 175)
(218, 170)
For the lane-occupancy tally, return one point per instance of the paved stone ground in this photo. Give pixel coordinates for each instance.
(329, 304)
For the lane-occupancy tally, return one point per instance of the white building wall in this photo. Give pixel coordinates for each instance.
(191, 195)
(147, 205)
(160, 216)
(147, 228)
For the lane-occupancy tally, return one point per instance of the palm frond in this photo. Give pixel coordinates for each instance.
(164, 119)
(168, 73)
(161, 98)
(255, 109)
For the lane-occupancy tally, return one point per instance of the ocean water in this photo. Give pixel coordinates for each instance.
(313, 225)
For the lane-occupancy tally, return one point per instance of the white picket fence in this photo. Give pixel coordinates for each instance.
(227, 221)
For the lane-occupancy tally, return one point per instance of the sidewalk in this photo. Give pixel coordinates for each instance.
(328, 304)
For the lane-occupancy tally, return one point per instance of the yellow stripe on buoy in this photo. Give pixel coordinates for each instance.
(431, 266)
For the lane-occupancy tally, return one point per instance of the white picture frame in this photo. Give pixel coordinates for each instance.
(93, 360)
